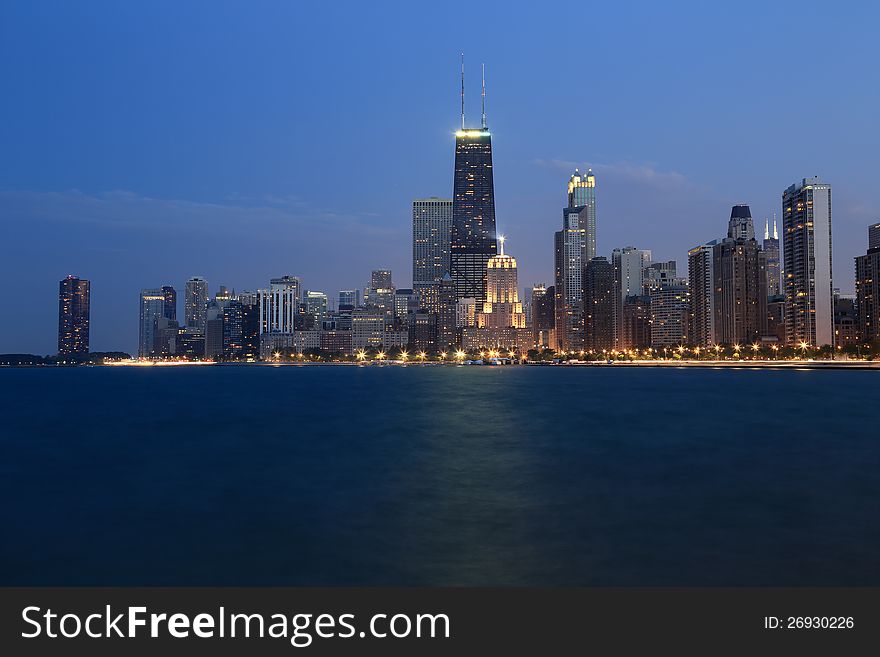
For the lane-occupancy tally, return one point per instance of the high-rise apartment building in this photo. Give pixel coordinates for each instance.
(599, 305)
(806, 229)
(432, 229)
(73, 316)
(868, 289)
(279, 305)
(152, 308)
(349, 298)
(740, 275)
(170, 311)
(629, 280)
(670, 308)
(195, 301)
(701, 277)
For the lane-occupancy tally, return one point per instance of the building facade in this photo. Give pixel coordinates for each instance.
(473, 236)
(806, 228)
(152, 308)
(599, 305)
(195, 301)
(432, 231)
(868, 289)
(74, 301)
(771, 253)
(629, 280)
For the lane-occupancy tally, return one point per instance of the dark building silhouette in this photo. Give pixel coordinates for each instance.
(73, 316)
(635, 322)
(868, 289)
(473, 238)
(598, 287)
(170, 308)
(543, 316)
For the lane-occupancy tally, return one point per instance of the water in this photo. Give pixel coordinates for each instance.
(259, 475)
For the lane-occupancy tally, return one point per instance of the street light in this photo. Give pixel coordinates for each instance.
(380, 355)
(459, 355)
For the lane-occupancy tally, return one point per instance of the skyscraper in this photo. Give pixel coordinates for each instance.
(701, 275)
(806, 228)
(582, 194)
(500, 322)
(670, 307)
(771, 253)
(73, 316)
(868, 289)
(432, 227)
(279, 305)
(740, 275)
(473, 238)
(502, 308)
(599, 305)
(629, 280)
(195, 303)
(170, 309)
(874, 236)
(350, 298)
(575, 245)
(152, 308)
(543, 315)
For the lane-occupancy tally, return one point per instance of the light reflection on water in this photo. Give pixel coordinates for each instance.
(439, 476)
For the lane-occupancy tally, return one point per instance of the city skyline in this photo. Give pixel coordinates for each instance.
(173, 198)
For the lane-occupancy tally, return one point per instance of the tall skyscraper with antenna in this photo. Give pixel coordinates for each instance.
(771, 251)
(473, 239)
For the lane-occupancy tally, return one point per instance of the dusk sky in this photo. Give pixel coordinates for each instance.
(144, 143)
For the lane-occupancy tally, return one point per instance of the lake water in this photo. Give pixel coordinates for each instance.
(311, 475)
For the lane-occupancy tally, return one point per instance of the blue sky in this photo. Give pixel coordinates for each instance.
(143, 143)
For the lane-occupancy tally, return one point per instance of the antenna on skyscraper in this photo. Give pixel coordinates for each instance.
(484, 97)
(775, 233)
(462, 91)
(766, 229)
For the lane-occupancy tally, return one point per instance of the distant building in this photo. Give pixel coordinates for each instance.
(868, 289)
(447, 325)
(701, 274)
(336, 342)
(670, 307)
(771, 253)
(635, 323)
(367, 330)
(472, 238)
(655, 274)
(629, 267)
(846, 320)
(740, 274)
(776, 318)
(543, 315)
(279, 305)
(572, 253)
(432, 228)
(806, 227)
(582, 194)
(316, 306)
(170, 311)
(599, 305)
(501, 323)
(152, 307)
(349, 298)
(73, 316)
(195, 302)
(423, 332)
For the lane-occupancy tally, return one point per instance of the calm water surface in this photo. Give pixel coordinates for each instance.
(258, 475)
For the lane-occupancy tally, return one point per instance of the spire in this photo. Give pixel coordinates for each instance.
(766, 229)
(462, 91)
(775, 232)
(484, 97)
(501, 239)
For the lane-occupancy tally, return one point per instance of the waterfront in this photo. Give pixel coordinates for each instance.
(439, 476)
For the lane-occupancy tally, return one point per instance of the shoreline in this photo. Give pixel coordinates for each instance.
(681, 364)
